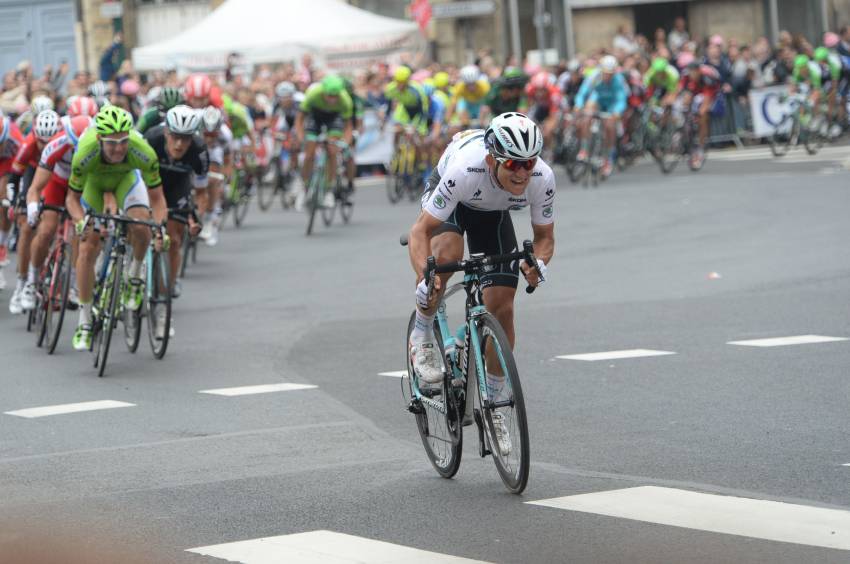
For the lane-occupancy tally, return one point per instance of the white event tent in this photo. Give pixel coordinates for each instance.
(265, 31)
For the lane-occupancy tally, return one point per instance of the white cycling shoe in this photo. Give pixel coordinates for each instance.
(503, 437)
(425, 358)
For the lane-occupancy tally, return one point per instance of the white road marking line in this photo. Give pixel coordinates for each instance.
(33, 412)
(323, 547)
(848, 464)
(261, 389)
(784, 341)
(761, 519)
(614, 355)
(395, 374)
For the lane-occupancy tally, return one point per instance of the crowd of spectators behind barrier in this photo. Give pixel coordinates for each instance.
(742, 67)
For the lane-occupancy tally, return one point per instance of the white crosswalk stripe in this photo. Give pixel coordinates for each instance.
(64, 409)
(786, 341)
(260, 389)
(615, 355)
(761, 519)
(323, 547)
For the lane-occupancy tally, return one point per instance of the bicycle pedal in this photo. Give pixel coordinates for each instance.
(415, 407)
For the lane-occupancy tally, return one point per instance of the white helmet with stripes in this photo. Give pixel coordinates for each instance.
(182, 120)
(514, 136)
(46, 125)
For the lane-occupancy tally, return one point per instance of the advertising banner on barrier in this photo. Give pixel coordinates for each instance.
(767, 109)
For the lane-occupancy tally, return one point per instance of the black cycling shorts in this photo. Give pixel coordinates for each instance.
(317, 120)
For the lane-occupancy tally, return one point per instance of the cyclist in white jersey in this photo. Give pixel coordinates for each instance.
(481, 177)
(218, 139)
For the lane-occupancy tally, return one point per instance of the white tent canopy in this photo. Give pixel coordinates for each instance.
(264, 31)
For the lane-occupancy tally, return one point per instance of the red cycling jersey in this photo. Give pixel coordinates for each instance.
(10, 148)
(549, 97)
(28, 155)
(707, 83)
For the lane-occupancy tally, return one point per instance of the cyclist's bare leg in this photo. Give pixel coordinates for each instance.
(89, 249)
(45, 232)
(307, 167)
(176, 231)
(704, 118)
(333, 155)
(139, 235)
(25, 234)
(201, 199)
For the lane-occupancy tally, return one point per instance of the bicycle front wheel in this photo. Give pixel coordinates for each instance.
(502, 413)
(109, 315)
(243, 200)
(60, 285)
(439, 419)
(158, 304)
(780, 139)
(329, 211)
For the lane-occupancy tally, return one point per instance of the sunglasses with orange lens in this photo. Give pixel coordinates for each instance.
(513, 164)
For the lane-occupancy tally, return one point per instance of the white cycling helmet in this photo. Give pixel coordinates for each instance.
(470, 74)
(285, 90)
(46, 125)
(608, 64)
(41, 103)
(99, 89)
(211, 119)
(513, 136)
(182, 120)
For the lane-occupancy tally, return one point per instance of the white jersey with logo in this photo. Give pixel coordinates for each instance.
(465, 179)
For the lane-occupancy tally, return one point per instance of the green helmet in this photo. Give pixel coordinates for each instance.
(821, 54)
(513, 76)
(659, 64)
(112, 119)
(800, 61)
(169, 97)
(332, 85)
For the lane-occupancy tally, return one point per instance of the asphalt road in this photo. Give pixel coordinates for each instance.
(717, 453)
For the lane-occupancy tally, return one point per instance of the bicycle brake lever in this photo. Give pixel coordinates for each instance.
(531, 260)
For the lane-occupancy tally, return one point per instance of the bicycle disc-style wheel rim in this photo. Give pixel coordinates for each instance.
(158, 296)
(312, 202)
(132, 321)
(513, 467)
(266, 192)
(328, 212)
(443, 451)
(346, 207)
(111, 314)
(65, 281)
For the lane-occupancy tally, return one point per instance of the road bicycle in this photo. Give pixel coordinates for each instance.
(54, 283)
(477, 349)
(589, 171)
(156, 306)
(798, 126)
(317, 187)
(402, 173)
(282, 176)
(110, 283)
(242, 186)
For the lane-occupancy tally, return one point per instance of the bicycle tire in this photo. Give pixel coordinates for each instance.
(42, 303)
(132, 321)
(329, 212)
(158, 294)
(447, 463)
(240, 209)
(184, 253)
(64, 279)
(312, 202)
(779, 141)
(671, 150)
(110, 316)
(346, 205)
(814, 139)
(514, 475)
(267, 192)
(193, 246)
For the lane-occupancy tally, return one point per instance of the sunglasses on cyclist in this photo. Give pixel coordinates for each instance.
(514, 164)
(115, 142)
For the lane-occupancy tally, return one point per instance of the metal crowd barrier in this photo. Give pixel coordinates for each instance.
(732, 125)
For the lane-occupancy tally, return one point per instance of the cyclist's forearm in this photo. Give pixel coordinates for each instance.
(72, 202)
(419, 247)
(544, 242)
(39, 181)
(158, 205)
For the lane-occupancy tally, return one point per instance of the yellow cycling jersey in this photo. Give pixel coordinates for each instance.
(474, 95)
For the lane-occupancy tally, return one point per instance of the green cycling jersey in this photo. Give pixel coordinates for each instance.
(149, 119)
(412, 97)
(668, 79)
(314, 100)
(813, 77)
(93, 176)
(238, 118)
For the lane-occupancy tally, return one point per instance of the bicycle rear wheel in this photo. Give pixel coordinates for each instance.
(814, 135)
(42, 303)
(441, 432)
(242, 203)
(109, 315)
(346, 205)
(512, 457)
(312, 203)
(58, 293)
(671, 148)
(780, 139)
(328, 212)
(132, 321)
